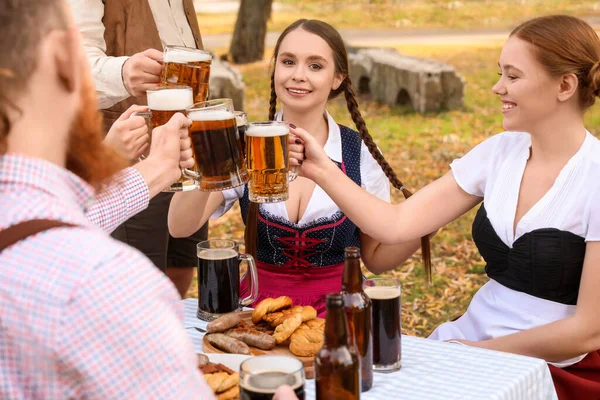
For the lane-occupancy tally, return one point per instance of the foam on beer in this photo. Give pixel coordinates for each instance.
(183, 57)
(170, 99)
(211, 115)
(216, 254)
(382, 292)
(267, 130)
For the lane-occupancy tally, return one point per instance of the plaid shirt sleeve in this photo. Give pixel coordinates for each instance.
(123, 336)
(126, 196)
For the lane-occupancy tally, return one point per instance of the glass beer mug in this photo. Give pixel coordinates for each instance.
(267, 159)
(219, 278)
(219, 165)
(163, 103)
(187, 66)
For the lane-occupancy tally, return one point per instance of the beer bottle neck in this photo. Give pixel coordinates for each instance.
(352, 278)
(336, 329)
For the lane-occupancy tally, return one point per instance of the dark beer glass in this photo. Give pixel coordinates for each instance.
(219, 163)
(163, 103)
(187, 66)
(387, 325)
(261, 376)
(241, 120)
(267, 157)
(219, 278)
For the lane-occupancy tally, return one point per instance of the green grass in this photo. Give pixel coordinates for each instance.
(409, 15)
(419, 148)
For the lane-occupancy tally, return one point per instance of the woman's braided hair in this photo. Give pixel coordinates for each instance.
(334, 40)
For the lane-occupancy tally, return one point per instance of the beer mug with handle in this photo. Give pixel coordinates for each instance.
(219, 278)
(187, 66)
(163, 103)
(267, 158)
(219, 164)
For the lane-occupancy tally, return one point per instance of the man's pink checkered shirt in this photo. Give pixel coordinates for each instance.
(83, 316)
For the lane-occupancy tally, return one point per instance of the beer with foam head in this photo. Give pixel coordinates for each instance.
(215, 146)
(187, 66)
(267, 160)
(261, 376)
(387, 331)
(163, 103)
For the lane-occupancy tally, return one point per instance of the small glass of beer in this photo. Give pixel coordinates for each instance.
(219, 162)
(267, 158)
(187, 66)
(163, 103)
(241, 120)
(261, 376)
(387, 325)
(219, 278)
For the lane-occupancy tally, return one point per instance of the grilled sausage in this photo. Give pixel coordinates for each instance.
(228, 344)
(253, 338)
(223, 323)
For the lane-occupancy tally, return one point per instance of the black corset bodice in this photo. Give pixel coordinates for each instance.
(546, 263)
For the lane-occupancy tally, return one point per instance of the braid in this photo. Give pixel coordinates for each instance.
(273, 100)
(367, 139)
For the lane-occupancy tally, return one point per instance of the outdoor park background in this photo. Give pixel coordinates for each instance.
(465, 34)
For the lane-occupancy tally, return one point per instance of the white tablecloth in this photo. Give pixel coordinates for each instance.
(438, 370)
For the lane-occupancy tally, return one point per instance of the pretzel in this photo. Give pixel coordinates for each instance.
(307, 313)
(268, 306)
(287, 328)
(306, 342)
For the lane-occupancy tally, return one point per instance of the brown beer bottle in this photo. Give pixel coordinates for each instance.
(358, 309)
(337, 369)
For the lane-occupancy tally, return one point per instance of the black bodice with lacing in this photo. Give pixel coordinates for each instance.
(318, 243)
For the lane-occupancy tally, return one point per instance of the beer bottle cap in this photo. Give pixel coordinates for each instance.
(352, 252)
(334, 300)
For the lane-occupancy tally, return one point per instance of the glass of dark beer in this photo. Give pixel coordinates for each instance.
(219, 162)
(187, 66)
(387, 325)
(219, 278)
(241, 120)
(267, 158)
(163, 103)
(261, 376)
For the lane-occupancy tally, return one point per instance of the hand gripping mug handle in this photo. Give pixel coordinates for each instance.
(147, 115)
(253, 287)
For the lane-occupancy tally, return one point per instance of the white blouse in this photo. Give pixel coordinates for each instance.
(494, 170)
(320, 205)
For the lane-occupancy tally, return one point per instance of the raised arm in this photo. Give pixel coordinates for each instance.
(428, 210)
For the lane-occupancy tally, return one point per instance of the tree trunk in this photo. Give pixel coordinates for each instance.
(248, 42)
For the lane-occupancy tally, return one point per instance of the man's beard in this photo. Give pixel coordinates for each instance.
(87, 156)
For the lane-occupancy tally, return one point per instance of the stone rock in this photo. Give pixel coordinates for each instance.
(395, 79)
(226, 82)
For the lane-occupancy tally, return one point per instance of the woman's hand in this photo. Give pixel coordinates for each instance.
(129, 134)
(314, 161)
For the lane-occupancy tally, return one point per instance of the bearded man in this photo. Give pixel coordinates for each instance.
(81, 314)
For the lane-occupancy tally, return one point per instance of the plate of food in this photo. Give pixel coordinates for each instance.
(274, 327)
(221, 373)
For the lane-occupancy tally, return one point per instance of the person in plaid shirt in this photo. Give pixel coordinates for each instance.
(81, 315)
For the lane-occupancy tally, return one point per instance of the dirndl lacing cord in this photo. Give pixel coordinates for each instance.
(298, 251)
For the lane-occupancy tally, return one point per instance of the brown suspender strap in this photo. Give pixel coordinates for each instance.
(18, 232)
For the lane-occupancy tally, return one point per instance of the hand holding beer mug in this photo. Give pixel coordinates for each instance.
(219, 278)
(163, 103)
(129, 135)
(387, 330)
(260, 376)
(267, 157)
(219, 163)
(187, 66)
